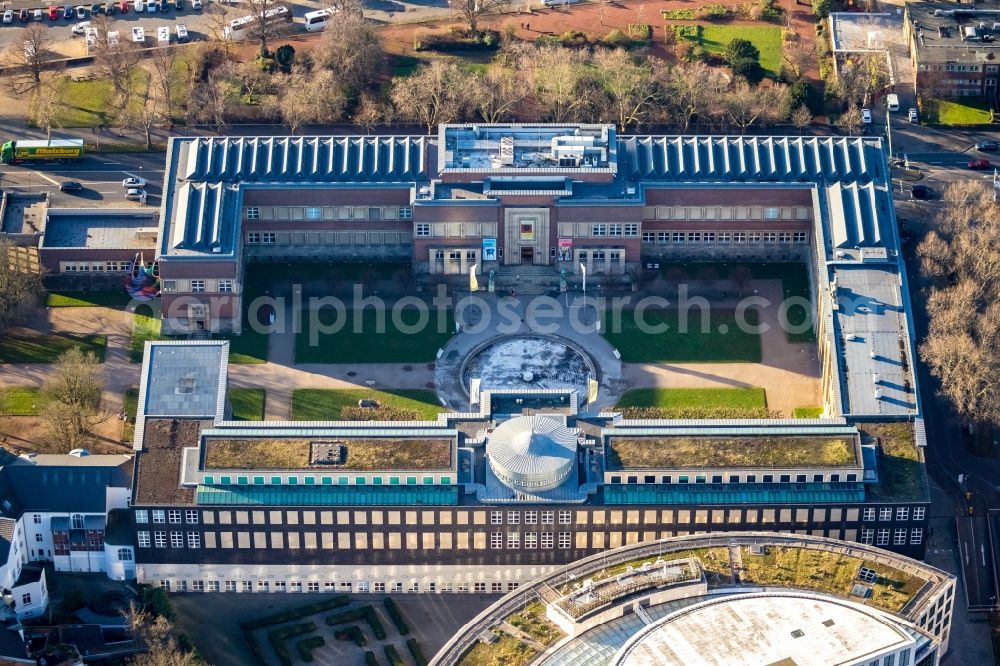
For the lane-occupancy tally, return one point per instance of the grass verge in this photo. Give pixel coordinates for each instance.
(48, 347)
(507, 650)
(144, 328)
(20, 401)
(330, 404)
(963, 111)
(248, 404)
(131, 405)
(87, 299)
(807, 412)
(767, 39)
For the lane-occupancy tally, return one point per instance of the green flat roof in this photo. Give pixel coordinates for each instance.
(328, 495)
(730, 493)
(676, 452)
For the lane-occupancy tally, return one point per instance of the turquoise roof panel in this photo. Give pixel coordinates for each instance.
(734, 493)
(327, 495)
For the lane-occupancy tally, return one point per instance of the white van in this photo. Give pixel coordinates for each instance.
(140, 6)
(316, 21)
(182, 33)
(892, 102)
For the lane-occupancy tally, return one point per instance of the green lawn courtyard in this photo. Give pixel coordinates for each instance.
(145, 327)
(767, 39)
(87, 299)
(248, 404)
(20, 401)
(130, 404)
(48, 347)
(721, 342)
(964, 111)
(694, 403)
(373, 342)
(334, 404)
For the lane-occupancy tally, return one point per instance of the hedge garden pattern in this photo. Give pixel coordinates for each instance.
(296, 635)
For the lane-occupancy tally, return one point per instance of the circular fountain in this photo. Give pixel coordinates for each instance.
(529, 362)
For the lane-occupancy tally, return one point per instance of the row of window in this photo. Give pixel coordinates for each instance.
(885, 513)
(725, 213)
(531, 517)
(531, 540)
(96, 266)
(327, 480)
(340, 213)
(723, 237)
(198, 286)
(171, 515)
(378, 587)
(880, 537)
(159, 539)
(732, 478)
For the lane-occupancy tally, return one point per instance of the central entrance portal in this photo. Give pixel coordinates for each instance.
(526, 236)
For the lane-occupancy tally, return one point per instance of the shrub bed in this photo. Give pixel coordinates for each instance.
(306, 646)
(457, 39)
(366, 613)
(416, 652)
(277, 638)
(397, 618)
(641, 32)
(393, 656)
(351, 633)
(247, 628)
(699, 413)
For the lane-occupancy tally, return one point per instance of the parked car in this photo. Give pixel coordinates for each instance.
(164, 6)
(866, 116)
(81, 28)
(140, 6)
(196, 4)
(979, 164)
(136, 194)
(182, 33)
(133, 181)
(921, 192)
(110, 8)
(913, 115)
(178, 5)
(987, 146)
(70, 186)
(69, 13)
(96, 8)
(151, 7)
(81, 12)
(22, 15)
(123, 6)
(8, 16)
(36, 15)
(53, 13)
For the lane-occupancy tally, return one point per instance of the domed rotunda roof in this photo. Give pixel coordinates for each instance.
(532, 453)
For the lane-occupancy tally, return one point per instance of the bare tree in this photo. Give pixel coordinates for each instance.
(28, 57)
(850, 121)
(263, 31)
(633, 89)
(370, 112)
(802, 117)
(743, 104)
(345, 8)
(557, 73)
(46, 102)
(72, 395)
(310, 97)
(863, 75)
(114, 59)
(21, 287)
(497, 92)
(961, 258)
(163, 80)
(432, 95)
(163, 647)
(797, 56)
(351, 47)
(692, 91)
(473, 10)
(218, 16)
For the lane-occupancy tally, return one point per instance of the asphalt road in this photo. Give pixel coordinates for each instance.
(100, 175)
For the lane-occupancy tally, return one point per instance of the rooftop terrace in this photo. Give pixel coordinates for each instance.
(101, 229)
(527, 148)
(769, 452)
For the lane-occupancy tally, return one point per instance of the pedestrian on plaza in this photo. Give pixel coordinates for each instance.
(527, 26)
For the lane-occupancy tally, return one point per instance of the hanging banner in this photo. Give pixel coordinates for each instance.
(565, 249)
(489, 249)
